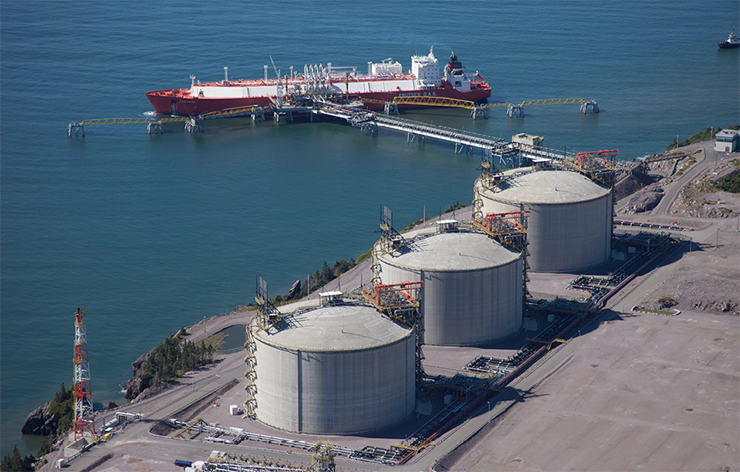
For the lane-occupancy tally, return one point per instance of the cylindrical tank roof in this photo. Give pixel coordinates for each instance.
(336, 369)
(472, 285)
(452, 251)
(570, 221)
(337, 328)
(549, 187)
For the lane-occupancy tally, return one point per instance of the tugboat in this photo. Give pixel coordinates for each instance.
(731, 42)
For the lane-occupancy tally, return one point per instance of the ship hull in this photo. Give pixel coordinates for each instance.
(476, 95)
(180, 103)
(166, 103)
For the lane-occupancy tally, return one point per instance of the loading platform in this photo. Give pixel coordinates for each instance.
(508, 154)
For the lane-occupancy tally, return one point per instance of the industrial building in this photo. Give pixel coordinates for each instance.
(727, 140)
(339, 368)
(473, 286)
(569, 227)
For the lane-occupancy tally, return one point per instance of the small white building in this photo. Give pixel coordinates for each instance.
(527, 139)
(727, 140)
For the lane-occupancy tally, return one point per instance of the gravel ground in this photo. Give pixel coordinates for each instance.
(644, 392)
(707, 279)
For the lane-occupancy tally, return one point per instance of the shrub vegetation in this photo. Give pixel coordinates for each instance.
(323, 277)
(730, 184)
(170, 360)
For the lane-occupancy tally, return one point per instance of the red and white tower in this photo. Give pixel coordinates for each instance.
(84, 416)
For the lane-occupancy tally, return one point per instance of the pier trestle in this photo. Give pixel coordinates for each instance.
(589, 107)
(258, 115)
(288, 116)
(515, 111)
(155, 127)
(479, 112)
(194, 125)
(412, 137)
(77, 129)
(369, 128)
(460, 147)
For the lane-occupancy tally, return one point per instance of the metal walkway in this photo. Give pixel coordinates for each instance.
(155, 125)
(479, 110)
(369, 122)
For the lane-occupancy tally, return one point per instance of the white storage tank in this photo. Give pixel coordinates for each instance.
(472, 291)
(569, 227)
(335, 370)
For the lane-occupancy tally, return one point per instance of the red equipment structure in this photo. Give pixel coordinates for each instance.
(508, 228)
(607, 154)
(393, 296)
(401, 302)
(84, 413)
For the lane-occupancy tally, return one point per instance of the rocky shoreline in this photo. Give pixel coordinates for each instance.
(41, 422)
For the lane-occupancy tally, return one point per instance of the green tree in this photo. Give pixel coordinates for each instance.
(15, 463)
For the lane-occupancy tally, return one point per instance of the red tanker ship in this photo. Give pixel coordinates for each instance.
(383, 82)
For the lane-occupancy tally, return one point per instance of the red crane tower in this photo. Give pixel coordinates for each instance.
(84, 415)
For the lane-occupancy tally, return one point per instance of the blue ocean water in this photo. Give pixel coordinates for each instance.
(151, 233)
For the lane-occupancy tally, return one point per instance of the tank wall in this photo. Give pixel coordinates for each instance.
(564, 237)
(466, 307)
(335, 392)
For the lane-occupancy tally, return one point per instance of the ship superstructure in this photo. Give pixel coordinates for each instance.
(383, 82)
(732, 42)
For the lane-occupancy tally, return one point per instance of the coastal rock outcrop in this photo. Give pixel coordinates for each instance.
(132, 386)
(40, 422)
(294, 290)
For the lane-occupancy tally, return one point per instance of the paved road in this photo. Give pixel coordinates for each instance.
(709, 160)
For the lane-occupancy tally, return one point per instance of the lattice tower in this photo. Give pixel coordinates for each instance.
(390, 239)
(267, 313)
(84, 420)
